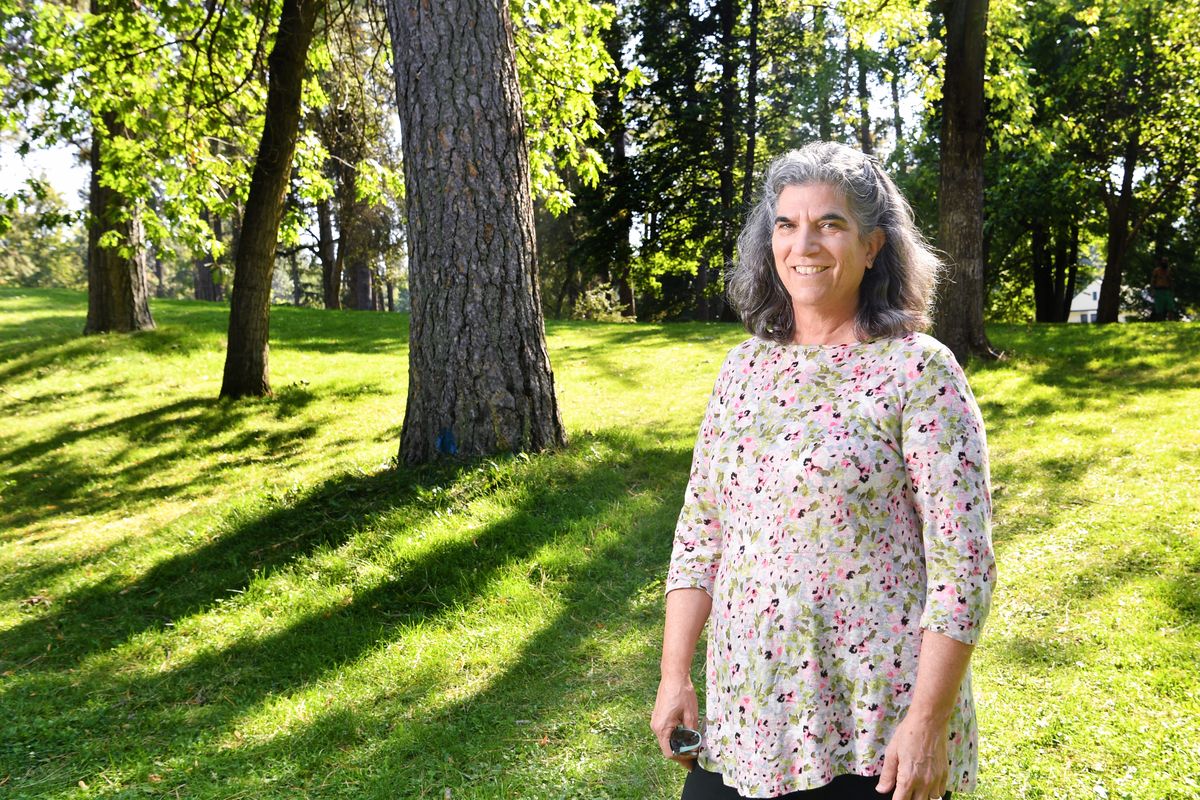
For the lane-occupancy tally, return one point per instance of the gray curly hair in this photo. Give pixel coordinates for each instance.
(895, 296)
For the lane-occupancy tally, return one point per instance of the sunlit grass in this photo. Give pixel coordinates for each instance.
(213, 600)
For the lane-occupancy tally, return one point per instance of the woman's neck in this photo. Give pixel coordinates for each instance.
(820, 331)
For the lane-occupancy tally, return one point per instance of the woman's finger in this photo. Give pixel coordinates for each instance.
(887, 777)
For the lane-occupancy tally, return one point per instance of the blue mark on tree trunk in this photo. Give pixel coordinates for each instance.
(445, 442)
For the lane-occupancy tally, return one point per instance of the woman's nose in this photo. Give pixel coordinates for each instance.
(804, 243)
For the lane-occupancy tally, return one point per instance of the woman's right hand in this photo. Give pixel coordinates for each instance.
(675, 705)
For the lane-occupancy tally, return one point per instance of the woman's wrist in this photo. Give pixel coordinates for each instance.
(674, 673)
(930, 716)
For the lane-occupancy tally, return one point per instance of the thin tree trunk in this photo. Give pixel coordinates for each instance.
(357, 260)
(898, 123)
(1043, 279)
(118, 298)
(160, 289)
(729, 112)
(751, 108)
(1061, 246)
(865, 138)
(204, 283)
(847, 91)
(824, 110)
(621, 178)
(246, 358)
(958, 315)
(297, 283)
(1120, 210)
(1072, 271)
(218, 275)
(479, 373)
(331, 274)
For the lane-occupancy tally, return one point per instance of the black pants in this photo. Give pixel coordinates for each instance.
(704, 785)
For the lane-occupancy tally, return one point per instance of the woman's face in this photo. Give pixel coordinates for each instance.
(820, 253)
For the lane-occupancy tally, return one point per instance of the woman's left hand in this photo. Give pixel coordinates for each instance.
(916, 761)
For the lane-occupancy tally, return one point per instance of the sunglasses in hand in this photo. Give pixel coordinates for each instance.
(684, 741)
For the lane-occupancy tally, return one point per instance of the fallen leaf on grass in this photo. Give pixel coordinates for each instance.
(37, 600)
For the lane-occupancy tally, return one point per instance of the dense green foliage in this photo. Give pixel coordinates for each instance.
(649, 123)
(245, 600)
(40, 246)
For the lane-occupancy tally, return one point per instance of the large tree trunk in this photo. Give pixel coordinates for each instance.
(331, 268)
(958, 315)
(246, 368)
(479, 373)
(118, 298)
(1120, 210)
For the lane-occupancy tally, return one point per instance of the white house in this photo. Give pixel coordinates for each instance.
(1085, 304)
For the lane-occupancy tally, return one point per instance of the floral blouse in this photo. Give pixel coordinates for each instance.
(838, 505)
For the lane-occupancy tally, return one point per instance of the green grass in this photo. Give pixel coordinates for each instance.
(212, 600)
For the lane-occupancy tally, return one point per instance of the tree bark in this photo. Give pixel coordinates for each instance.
(118, 297)
(958, 313)
(1120, 210)
(246, 357)
(331, 268)
(479, 373)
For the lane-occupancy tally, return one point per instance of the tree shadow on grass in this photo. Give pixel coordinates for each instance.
(1183, 593)
(58, 474)
(218, 686)
(532, 715)
(615, 334)
(1057, 479)
(1036, 653)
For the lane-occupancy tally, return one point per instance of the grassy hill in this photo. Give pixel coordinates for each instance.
(214, 600)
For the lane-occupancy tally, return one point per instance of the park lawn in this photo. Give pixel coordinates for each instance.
(246, 600)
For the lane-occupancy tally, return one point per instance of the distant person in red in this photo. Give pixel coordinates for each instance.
(1164, 291)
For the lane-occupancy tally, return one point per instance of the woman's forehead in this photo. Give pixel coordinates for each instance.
(812, 199)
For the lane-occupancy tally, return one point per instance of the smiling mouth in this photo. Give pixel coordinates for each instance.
(809, 270)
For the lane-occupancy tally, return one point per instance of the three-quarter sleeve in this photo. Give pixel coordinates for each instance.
(696, 554)
(946, 458)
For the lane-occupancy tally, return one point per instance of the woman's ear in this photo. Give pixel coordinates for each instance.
(875, 242)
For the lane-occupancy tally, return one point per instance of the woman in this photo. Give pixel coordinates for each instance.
(835, 533)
